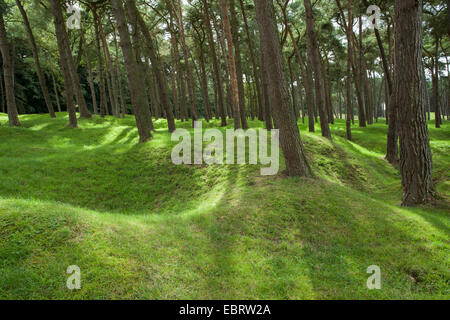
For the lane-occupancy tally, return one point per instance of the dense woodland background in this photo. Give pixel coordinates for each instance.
(204, 60)
(159, 14)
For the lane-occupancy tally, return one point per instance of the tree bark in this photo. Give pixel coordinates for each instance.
(216, 69)
(179, 79)
(291, 86)
(63, 44)
(348, 83)
(137, 92)
(227, 79)
(8, 73)
(56, 93)
(251, 49)
(291, 144)
(156, 65)
(111, 80)
(101, 77)
(313, 50)
(437, 106)
(350, 37)
(202, 75)
(266, 112)
(238, 63)
(448, 18)
(232, 66)
(415, 152)
(307, 76)
(68, 58)
(119, 79)
(2, 94)
(90, 75)
(37, 63)
(190, 80)
(384, 61)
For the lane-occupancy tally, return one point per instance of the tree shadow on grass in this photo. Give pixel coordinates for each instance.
(334, 242)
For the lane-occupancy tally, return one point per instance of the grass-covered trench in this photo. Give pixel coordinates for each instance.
(140, 227)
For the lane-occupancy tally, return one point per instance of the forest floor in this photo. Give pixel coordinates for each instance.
(140, 227)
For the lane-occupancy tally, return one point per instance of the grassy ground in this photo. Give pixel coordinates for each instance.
(140, 227)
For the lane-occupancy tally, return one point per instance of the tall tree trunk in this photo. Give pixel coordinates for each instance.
(329, 89)
(291, 86)
(437, 107)
(56, 93)
(63, 44)
(238, 63)
(448, 83)
(350, 37)
(180, 79)
(266, 112)
(386, 102)
(175, 78)
(253, 96)
(291, 144)
(360, 69)
(308, 81)
(174, 88)
(156, 65)
(384, 60)
(101, 77)
(448, 18)
(216, 69)
(415, 152)
(348, 104)
(427, 97)
(111, 79)
(348, 83)
(368, 95)
(227, 79)
(109, 87)
(8, 72)
(2, 94)
(190, 80)
(300, 93)
(327, 92)
(37, 63)
(251, 49)
(340, 101)
(137, 92)
(392, 136)
(90, 75)
(153, 93)
(313, 51)
(232, 66)
(390, 49)
(204, 84)
(62, 37)
(119, 78)
(358, 89)
(307, 76)
(365, 84)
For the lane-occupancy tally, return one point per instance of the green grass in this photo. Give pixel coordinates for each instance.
(140, 227)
